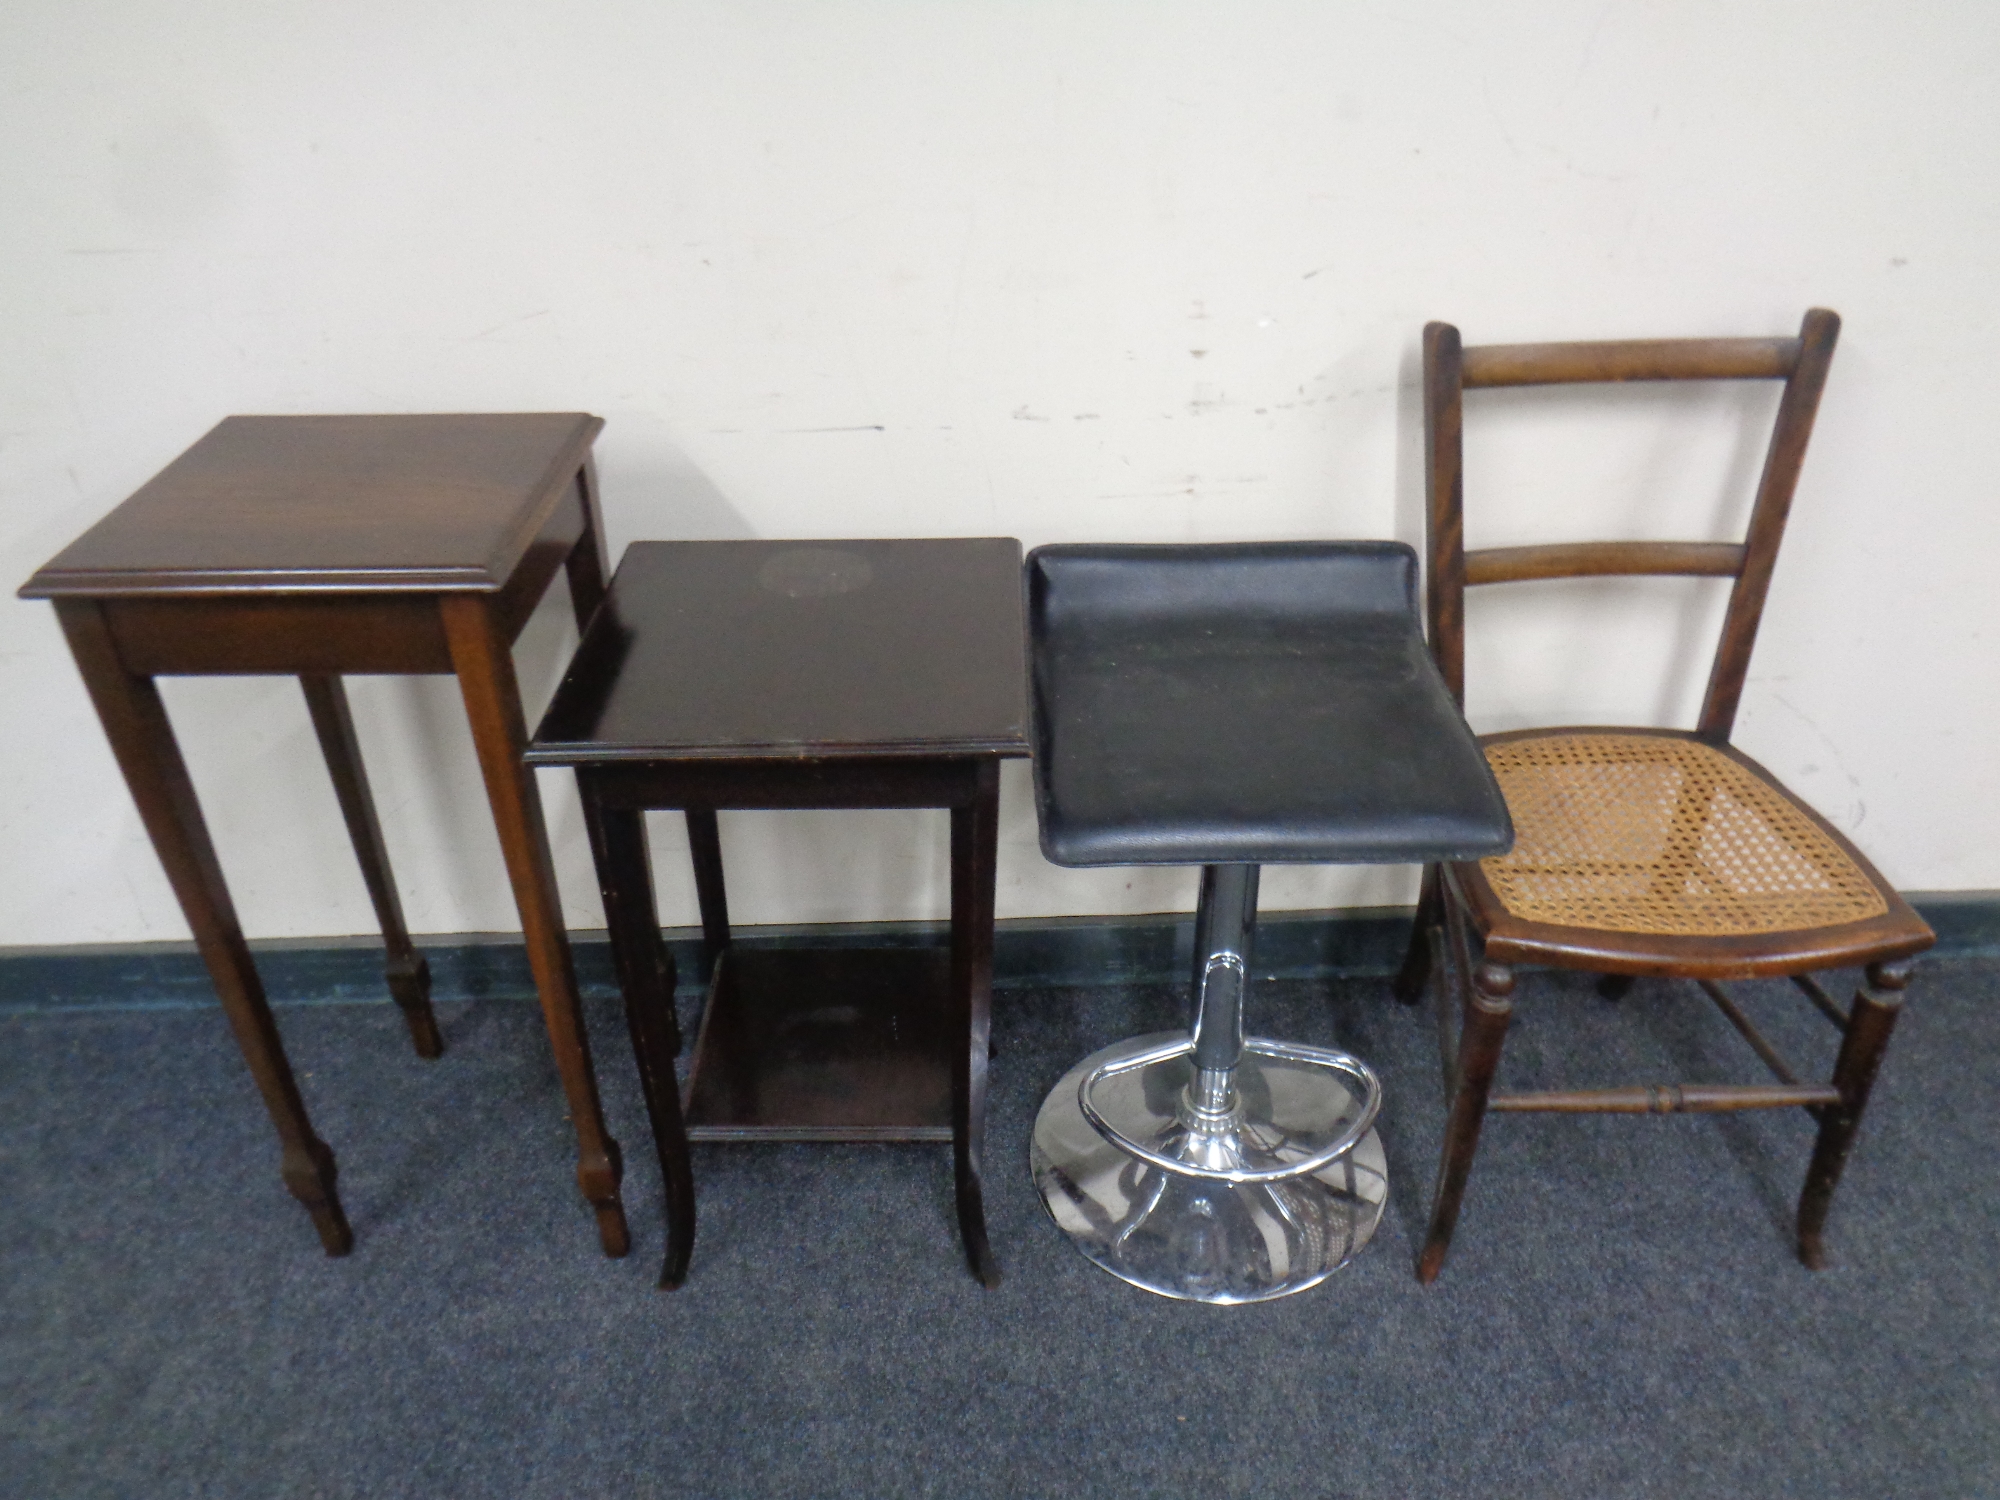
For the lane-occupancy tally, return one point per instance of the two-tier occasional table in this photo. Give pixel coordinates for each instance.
(802, 675)
(313, 547)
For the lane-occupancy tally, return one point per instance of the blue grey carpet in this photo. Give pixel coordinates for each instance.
(1622, 1314)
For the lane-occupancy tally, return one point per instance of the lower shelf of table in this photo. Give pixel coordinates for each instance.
(824, 1044)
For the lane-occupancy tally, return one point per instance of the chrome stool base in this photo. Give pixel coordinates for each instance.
(1267, 1198)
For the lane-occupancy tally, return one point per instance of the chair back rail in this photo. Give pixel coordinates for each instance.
(1631, 359)
(1600, 559)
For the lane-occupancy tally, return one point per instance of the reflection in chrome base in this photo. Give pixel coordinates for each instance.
(1233, 1206)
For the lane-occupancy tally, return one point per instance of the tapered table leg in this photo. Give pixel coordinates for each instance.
(647, 979)
(485, 669)
(975, 844)
(408, 973)
(142, 739)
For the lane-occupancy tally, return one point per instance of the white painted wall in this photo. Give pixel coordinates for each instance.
(1063, 271)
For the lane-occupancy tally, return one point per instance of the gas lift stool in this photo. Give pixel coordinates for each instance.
(1234, 706)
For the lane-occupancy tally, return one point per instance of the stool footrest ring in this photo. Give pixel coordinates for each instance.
(1240, 1143)
(1197, 1212)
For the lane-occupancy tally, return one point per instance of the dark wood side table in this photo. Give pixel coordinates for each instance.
(801, 675)
(316, 546)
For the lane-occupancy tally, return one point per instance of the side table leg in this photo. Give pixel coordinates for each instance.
(485, 670)
(646, 978)
(587, 563)
(408, 973)
(975, 846)
(705, 846)
(142, 738)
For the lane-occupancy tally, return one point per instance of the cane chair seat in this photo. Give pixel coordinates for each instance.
(1624, 837)
(1651, 833)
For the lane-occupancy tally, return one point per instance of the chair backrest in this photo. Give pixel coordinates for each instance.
(1450, 369)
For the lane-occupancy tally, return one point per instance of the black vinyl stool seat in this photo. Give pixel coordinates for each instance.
(1231, 706)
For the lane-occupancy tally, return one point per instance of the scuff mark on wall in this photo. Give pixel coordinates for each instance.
(1857, 810)
(506, 323)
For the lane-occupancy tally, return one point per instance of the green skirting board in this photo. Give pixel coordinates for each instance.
(1028, 953)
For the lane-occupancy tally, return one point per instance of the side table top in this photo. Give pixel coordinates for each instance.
(368, 503)
(771, 649)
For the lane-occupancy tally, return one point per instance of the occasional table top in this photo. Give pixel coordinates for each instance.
(768, 649)
(334, 502)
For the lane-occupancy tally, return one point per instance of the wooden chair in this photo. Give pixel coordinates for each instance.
(1647, 851)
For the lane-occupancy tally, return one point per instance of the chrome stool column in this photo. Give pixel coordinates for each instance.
(1234, 706)
(1210, 1166)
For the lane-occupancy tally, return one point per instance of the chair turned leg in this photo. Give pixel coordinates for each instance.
(1487, 1011)
(1415, 975)
(1877, 1003)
